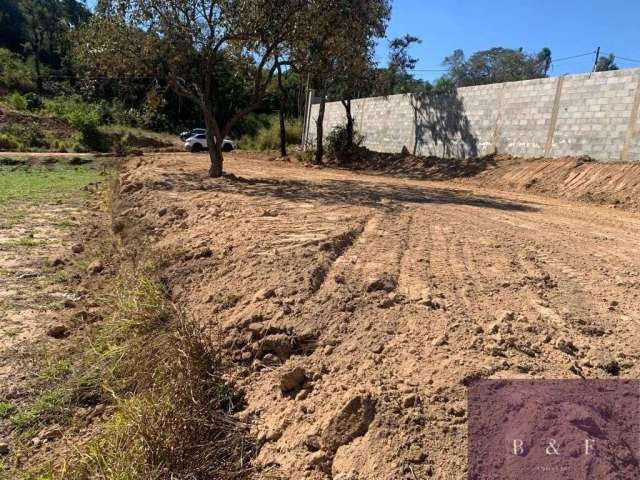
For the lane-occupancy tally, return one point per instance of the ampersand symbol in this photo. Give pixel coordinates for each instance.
(553, 449)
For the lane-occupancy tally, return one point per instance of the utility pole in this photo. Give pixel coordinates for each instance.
(595, 63)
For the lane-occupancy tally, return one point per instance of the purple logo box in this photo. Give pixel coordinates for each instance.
(554, 430)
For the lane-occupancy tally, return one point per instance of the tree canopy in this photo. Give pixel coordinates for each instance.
(496, 65)
(606, 63)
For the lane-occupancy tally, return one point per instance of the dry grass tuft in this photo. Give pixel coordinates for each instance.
(173, 407)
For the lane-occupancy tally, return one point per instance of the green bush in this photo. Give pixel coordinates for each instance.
(337, 144)
(17, 101)
(251, 124)
(8, 142)
(34, 101)
(83, 116)
(268, 137)
(87, 122)
(20, 137)
(16, 73)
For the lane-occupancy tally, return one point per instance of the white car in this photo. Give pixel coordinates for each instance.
(198, 143)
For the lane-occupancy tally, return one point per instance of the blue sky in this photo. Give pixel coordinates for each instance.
(567, 27)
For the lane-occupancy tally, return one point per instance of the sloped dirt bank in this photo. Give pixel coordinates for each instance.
(614, 184)
(355, 309)
(577, 178)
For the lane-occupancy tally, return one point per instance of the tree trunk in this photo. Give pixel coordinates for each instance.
(214, 142)
(347, 108)
(36, 58)
(217, 160)
(320, 131)
(38, 75)
(283, 101)
(283, 132)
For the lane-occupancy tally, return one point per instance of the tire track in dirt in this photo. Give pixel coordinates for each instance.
(480, 284)
(580, 311)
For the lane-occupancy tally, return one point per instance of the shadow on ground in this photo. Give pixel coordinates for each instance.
(335, 192)
(412, 166)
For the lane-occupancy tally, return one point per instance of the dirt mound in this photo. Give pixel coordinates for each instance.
(355, 309)
(405, 164)
(581, 179)
(55, 126)
(575, 178)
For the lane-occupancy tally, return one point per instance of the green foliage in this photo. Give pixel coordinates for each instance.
(338, 140)
(6, 409)
(49, 405)
(33, 101)
(8, 142)
(496, 65)
(15, 72)
(252, 124)
(83, 116)
(17, 101)
(24, 137)
(606, 63)
(268, 136)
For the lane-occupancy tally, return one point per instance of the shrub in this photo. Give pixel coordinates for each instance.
(251, 124)
(85, 119)
(8, 142)
(17, 101)
(16, 73)
(34, 101)
(337, 145)
(19, 137)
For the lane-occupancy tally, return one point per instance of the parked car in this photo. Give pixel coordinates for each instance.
(199, 143)
(192, 133)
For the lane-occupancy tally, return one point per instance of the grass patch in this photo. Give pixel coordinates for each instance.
(24, 242)
(59, 277)
(36, 185)
(6, 409)
(172, 402)
(55, 370)
(48, 408)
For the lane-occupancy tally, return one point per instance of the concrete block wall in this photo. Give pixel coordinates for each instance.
(589, 114)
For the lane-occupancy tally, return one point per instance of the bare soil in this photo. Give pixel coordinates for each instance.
(356, 308)
(576, 178)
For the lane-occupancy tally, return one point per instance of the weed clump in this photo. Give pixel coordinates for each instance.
(172, 405)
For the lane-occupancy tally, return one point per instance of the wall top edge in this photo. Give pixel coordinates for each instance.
(588, 76)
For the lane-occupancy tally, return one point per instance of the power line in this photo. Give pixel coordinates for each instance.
(627, 59)
(554, 60)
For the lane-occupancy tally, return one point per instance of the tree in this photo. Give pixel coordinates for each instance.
(45, 26)
(606, 63)
(354, 72)
(544, 60)
(333, 43)
(193, 45)
(42, 21)
(496, 65)
(11, 25)
(400, 62)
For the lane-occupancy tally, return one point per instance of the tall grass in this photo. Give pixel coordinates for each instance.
(171, 418)
(268, 137)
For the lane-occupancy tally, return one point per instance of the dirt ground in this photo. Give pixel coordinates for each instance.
(45, 209)
(615, 184)
(357, 307)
